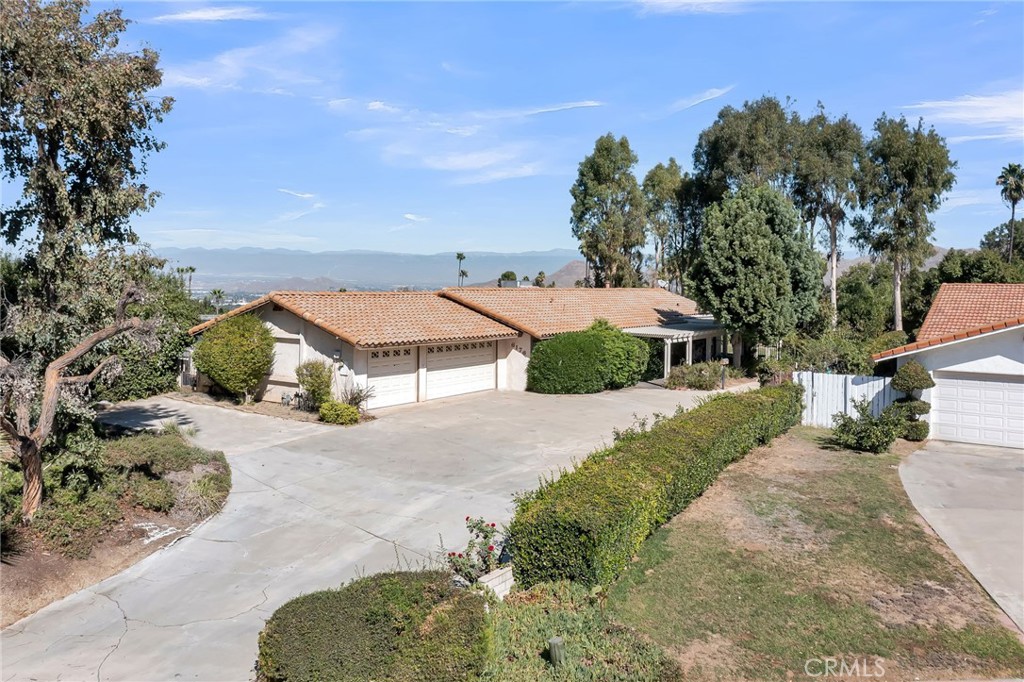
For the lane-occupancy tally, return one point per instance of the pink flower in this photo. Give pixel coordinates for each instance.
(490, 548)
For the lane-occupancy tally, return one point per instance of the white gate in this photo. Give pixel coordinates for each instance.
(826, 394)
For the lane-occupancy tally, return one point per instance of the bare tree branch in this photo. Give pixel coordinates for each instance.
(91, 376)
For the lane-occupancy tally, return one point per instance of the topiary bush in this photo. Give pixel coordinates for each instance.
(315, 378)
(598, 358)
(916, 430)
(335, 412)
(866, 432)
(586, 525)
(702, 376)
(567, 363)
(912, 377)
(236, 354)
(407, 625)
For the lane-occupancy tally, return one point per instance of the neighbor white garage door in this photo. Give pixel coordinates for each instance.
(457, 368)
(391, 372)
(973, 408)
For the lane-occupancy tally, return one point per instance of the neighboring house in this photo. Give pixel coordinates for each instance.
(972, 342)
(416, 346)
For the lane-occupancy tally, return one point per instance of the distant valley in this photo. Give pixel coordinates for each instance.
(256, 271)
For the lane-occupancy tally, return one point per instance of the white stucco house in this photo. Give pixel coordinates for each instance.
(416, 346)
(972, 343)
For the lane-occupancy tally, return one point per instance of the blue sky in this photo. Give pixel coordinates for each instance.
(422, 128)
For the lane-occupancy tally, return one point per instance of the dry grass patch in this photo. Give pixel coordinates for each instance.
(804, 551)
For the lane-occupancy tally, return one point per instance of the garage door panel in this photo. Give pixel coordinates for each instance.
(979, 409)
(457, 368)
(391, 372)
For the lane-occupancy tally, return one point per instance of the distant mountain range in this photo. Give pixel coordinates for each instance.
(253, 270)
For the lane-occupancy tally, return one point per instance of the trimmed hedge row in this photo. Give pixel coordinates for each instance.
(587, 525)
(413, 626)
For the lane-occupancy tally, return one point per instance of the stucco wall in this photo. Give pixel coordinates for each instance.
(513, 356)
(297, 342)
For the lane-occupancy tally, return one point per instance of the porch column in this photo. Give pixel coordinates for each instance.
(668, 357)
(689, 350)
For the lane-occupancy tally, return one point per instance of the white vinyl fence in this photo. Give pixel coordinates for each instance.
(826, 394)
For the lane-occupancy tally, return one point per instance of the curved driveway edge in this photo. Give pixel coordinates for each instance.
(311, 507)
(973, 497)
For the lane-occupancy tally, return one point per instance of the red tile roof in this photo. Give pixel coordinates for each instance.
(375, 319)
(949, 338)
(959, 307)
(542, 312)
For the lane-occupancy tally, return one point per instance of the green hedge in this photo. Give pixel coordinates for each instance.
(588, 524)
(407, 625)
(598, 358)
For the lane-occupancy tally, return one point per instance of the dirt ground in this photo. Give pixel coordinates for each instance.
(32, 576)
(785, 517)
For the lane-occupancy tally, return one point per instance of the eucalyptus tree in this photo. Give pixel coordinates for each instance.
(661, 188)
(76, 129)
(608, 213)
(901, 180)
(825, 181)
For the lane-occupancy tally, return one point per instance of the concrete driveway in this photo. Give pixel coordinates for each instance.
(973, 496)
(311, 507)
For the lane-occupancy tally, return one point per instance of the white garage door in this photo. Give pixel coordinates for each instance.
(457, 368)
(391, 373)
(972, 408)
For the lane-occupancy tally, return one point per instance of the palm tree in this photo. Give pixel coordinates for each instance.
(1012, 182)
(189, 270)
(459, 256)
(462, 276)
(217, 295)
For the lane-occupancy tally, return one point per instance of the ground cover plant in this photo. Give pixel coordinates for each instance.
(586, 525)
(404, 625)
(803, 551)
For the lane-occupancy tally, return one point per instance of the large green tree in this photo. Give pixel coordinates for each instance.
(661, 187)
(902, 178)
(998, 239)
(755, 273)
(608, 213)
(1011, 179)
(76, 119)
(825, 182)
(864, 301)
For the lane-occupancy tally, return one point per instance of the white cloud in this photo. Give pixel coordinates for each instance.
(692, 7)
(219, 237)
(534, 111)
(998, 116)
(473, 160)
(260, 68)
(415, 218)
(969, 197)
(463, 131)
(377, 105)
(205, 14)
(291, 216)
(339, 103)
(507, 173)
(301, 195)
(699, 98)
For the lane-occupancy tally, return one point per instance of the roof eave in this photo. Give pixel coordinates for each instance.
(959, 337)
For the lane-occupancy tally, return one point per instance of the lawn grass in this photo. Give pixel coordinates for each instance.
(803, 552)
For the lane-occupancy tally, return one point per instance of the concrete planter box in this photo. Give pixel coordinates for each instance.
(500, 580)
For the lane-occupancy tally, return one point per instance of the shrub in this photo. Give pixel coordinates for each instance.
(389, 626)
(567, 363)
(655, 359)
(773, 372)
(357, 396)
(598, 358)
(154, 494)
(71, 523)
(916, 430)
(586, 525)
(154, 454)
(206, 495)
(334, 412)
(865, 432)
(912, 377)
(893, 339)
(596, 648)
(315, 378)
(236, 354)
(702, 376)
(835, 351)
